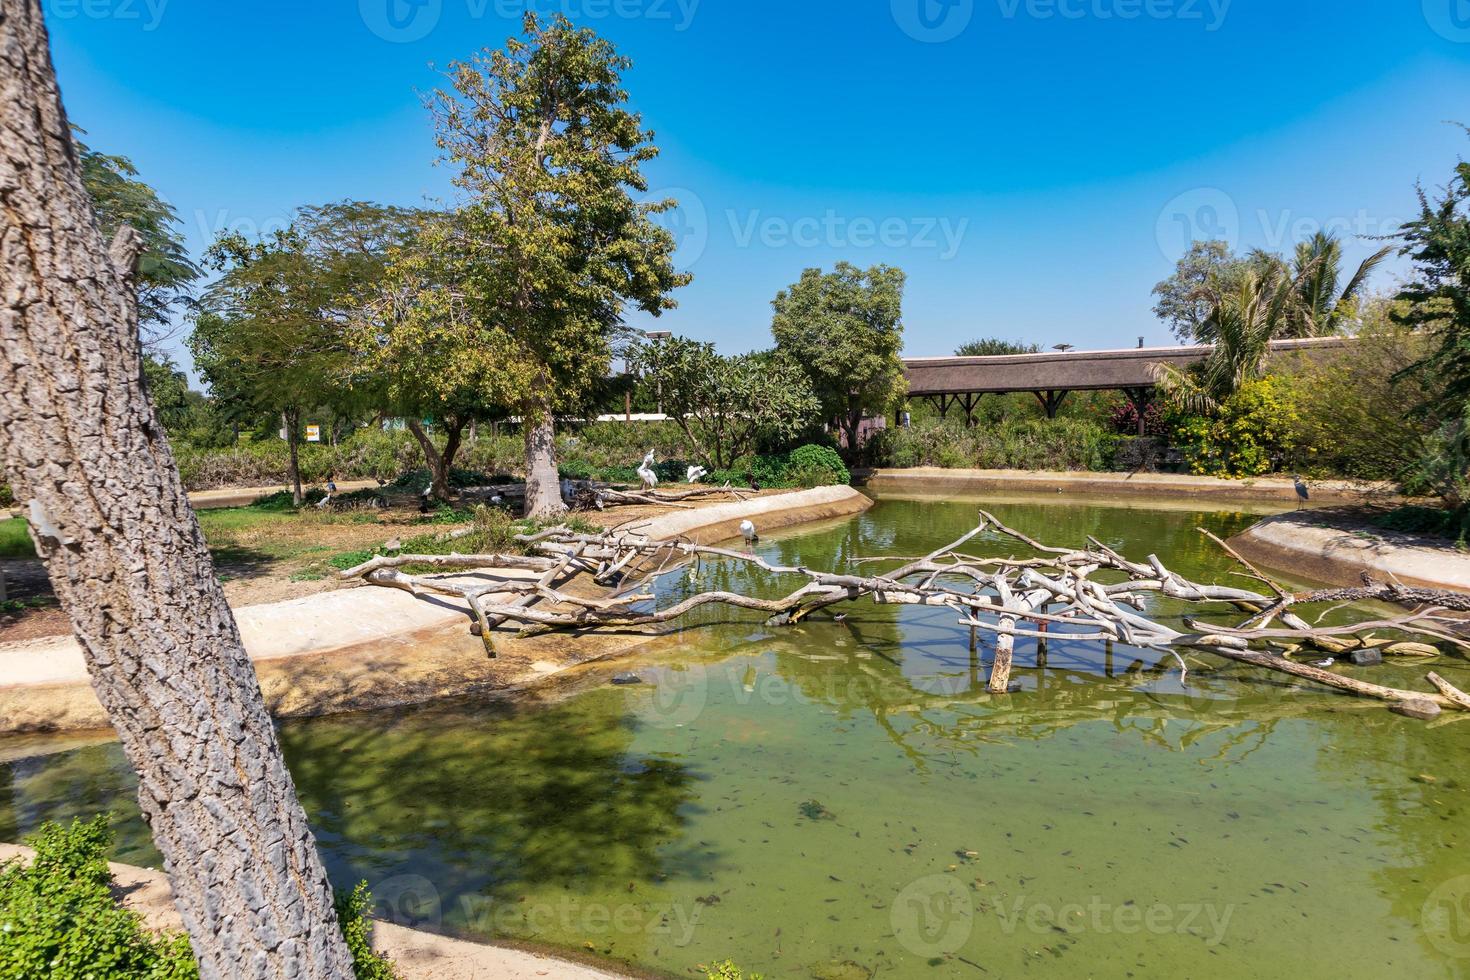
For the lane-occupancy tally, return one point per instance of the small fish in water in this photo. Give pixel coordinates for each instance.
(1324, 664)
(625, 680)
(839, 618)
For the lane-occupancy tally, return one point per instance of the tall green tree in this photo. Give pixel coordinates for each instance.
(723, 404)
(1437, 301)
(1185, 300)
(274, 330)
(845, 328)
(166, 273)
(550, 247)
(425, 357)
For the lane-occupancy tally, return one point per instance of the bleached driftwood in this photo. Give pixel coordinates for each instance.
(1094, 592)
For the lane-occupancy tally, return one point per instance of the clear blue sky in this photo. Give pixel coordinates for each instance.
(1035, 165)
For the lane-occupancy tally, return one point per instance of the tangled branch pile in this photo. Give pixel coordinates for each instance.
(1093, 593)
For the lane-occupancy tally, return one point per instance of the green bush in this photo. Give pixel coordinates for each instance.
(1017, 443)
(806, 466)
(816, 466)
(60, 921)
(1253, 433)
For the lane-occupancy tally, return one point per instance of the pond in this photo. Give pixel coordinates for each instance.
(843, 799)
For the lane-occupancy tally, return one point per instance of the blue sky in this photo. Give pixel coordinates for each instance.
(1034, 165)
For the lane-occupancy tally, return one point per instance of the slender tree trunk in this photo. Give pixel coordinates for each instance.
(543, 483)
(83, 449)
(291, 420)
(439, 462)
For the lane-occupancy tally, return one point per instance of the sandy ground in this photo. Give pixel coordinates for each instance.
(418, 955)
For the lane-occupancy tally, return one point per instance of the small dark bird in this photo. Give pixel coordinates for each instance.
(1301, 491)
(750, 478)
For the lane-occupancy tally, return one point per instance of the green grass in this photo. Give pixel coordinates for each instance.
(15, 539)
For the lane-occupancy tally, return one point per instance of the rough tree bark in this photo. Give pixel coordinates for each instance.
(83, 449)
(439, 463)
(291, 422)
(543, 483)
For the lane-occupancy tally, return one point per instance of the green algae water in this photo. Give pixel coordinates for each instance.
(843, 800)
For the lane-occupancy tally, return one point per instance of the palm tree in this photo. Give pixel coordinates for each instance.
(1321, 308)
(1242, 323)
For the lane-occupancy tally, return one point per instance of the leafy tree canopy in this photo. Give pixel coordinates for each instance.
(723, 404)
(166, 274)
(845, 328)
(995, 347)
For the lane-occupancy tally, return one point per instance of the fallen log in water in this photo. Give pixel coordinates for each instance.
(1095, 592)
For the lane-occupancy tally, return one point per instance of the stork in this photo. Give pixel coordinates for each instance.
(747, 531)
(646, 473)
(695, 474)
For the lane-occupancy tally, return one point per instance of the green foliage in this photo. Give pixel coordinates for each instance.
(1352, 407)
(1207, 269)
(816, 466)
(1252, 432)
(729, 971)
(15, 539)
(804, 467)
(352, 911)
(165, 271)
(995, 347)
(845, 329)
(59, 920)
(1016, 442)
(724, 404)
(1323, 305)
(518, 296)
(1438, 300)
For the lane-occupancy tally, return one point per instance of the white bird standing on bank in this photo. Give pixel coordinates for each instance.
(646, 473)
(747, 531)
(695, 474)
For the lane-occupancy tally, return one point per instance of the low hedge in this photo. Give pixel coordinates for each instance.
(1012, 444)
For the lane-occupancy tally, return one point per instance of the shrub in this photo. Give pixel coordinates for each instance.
(806, 466)
(1440, 522)
(1254, 432)
(729, 971)
(59, 919)
(816, 466)
(1013, 443)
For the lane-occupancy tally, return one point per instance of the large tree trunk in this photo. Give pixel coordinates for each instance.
(439, 462)
(291, 422)
(543, 482)
(83, 449)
